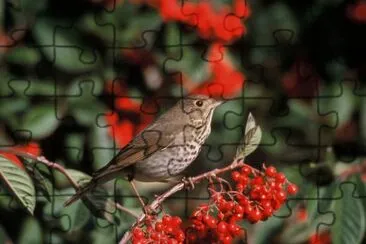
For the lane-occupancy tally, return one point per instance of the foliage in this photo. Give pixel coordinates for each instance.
(80, 78)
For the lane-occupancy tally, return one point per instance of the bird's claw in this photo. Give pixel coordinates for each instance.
(149, 211)
(188, 183)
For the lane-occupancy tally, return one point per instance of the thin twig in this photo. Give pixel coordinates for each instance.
(124, 209)
(178, 187)
(43, 160)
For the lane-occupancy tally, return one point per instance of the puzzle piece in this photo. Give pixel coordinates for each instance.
(82, 78)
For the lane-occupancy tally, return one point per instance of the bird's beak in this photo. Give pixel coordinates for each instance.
(219, 102)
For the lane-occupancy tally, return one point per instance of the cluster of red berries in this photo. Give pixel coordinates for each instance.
(256, 197)
(260, 194)
(168, 230)
(207, 227)
(224, 25)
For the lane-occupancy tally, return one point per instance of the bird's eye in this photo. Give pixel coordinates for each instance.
(199, 103)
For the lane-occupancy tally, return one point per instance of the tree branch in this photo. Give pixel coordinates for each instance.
(178, 187)
(59, 168)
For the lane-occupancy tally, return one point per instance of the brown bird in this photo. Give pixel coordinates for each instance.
(162, 150)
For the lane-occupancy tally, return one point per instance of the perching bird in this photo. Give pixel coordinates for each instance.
(162, 150)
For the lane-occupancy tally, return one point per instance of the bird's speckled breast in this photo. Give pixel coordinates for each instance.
(171, 161)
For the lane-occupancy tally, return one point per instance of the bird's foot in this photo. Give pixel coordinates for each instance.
(148, 211)
(188, 183)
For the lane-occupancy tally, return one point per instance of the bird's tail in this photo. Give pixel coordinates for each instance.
(80, 193)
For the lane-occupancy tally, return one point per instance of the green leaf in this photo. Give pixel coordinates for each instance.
(101, 145)
(77, 214)
(74, 146)
(23, 56)
(12, 106)
(251, 140)
(172, 37)
(349, 226)
(62, 44)
(301, 232)
(42, 87)
(2, 12)
(362, 121)
(29, 6)
(41, 120)
(97, 199)
(266, 229)
(19, 183)
(4, 238)
(84, 92)
(98, 237)
(341, 99)
(31, 232)
(37, 172)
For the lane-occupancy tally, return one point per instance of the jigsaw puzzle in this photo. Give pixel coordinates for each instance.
(229, 121)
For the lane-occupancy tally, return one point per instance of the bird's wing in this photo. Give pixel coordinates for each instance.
(145, 144)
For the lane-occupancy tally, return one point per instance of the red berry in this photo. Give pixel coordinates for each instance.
(172, 241)
(266, 204)
(280, 177)
(176, 221)
(234, 229)
(244, 180)
(239, 187)
(243, 200)
(267, 211)
(141, 241)
(138, 233)
(235, 175)
(292, 189)
(168, 229)
(167, 220)
(276, 204)
(230, 205)
(281, 196)
(238, 216)
(255, 215)
(222, 206)
(262, 197)
(272, 185)
(227, 239)
(278, 186)
(158, 226)
(246, 170)
(248, 209)
(222, 227)
(254, 195)
(155, 236)
(257, 181)
(180, 236)
(271, 171)
(239, 209)
(210, 221)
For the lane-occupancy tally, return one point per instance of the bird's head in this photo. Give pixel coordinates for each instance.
(199, 108)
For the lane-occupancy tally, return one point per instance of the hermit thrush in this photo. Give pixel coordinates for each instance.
(163, 149)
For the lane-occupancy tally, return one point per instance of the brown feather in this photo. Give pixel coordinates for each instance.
(137, 150)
